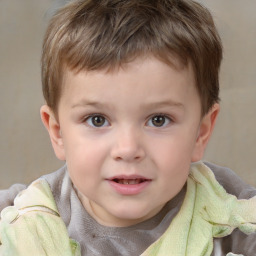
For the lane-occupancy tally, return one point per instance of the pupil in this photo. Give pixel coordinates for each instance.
(98, 121)
(158, 120)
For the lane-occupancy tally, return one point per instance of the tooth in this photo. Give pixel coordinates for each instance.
(125, 182)
(129, 182)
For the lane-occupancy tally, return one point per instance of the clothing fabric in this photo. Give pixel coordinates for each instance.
(207, 211)
(99, 240)
(33, 226)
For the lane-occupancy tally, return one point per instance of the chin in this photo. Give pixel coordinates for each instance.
(128, 217)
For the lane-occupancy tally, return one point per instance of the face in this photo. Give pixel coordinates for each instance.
(128, 137)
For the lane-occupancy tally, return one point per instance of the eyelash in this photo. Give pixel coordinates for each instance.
(150, 120)
(89, 117)
(166, 119)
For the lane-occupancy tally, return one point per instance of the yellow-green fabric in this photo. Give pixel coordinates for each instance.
(33, 225)
(207, 212)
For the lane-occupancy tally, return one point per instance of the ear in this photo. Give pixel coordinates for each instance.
(52, 125)
(204, 133)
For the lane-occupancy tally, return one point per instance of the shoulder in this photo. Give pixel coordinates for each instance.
(237, 242)
(54, 179)
(7, 196)
(231, 182)
(62, 190)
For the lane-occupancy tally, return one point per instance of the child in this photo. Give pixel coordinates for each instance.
(131, 90)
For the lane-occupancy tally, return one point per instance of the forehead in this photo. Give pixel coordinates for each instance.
(148, 67)
(146, 80)
(154, 62)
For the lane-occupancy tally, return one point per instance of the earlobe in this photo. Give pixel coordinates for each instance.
(204, 133)
(52, 125)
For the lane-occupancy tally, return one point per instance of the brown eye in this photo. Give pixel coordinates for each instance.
(158, 121)
(97, 121)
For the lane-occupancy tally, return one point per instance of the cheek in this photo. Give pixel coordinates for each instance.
(174, 150)
(173, 158)
(82, 149)
(84, 172)
(83, 160)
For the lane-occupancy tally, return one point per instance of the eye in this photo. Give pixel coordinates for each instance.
(97, 121)
(158, 121)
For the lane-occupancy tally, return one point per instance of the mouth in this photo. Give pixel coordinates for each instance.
(125, 181)
(129, 185)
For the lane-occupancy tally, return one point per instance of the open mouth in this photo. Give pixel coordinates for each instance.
(129, 185)
(129, 181)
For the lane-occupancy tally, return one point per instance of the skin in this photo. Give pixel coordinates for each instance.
(141, 120)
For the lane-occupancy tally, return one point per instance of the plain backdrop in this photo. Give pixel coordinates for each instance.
(25, 150)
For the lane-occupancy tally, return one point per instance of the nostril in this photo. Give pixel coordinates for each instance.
(127, 146)
(128, 154)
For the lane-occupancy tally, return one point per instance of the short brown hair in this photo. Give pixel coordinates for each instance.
(104, 34)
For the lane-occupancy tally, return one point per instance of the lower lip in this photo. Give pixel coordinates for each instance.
(126, 189)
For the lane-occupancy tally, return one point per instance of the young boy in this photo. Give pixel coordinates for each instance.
(131, 90)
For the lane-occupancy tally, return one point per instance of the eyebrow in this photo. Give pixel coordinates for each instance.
(165, 103)
(85, 102)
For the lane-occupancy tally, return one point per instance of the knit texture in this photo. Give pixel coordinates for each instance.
(208, 211)
(33, 225)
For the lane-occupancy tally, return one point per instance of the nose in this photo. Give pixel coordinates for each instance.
(128, 146)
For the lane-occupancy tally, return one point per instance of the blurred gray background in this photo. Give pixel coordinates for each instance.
(25, 150)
